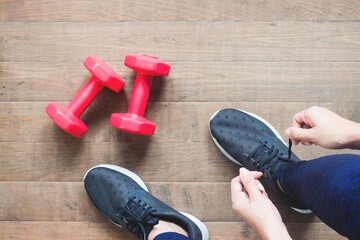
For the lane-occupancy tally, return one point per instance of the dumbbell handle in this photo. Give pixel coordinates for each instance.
(86, 95)
(140, 94)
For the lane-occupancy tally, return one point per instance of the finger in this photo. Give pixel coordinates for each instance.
(299, 119)
(260, 186)
(288, 133)
(306, 143)
(249, 183)
(236, 187)
(241, 202)
(299, 134)
(256, 174)
(237, 192)
(265, 194)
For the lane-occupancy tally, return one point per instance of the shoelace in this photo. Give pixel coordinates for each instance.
(289, 150)
(138, 216)
(267, 158)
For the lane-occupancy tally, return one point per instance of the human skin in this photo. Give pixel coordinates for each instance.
(322, 127)
(315, 125)
(251, 203)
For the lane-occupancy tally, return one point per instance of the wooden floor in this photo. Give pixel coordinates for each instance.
(272, 58)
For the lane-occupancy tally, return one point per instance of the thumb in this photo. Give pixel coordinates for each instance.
(248, 180)
(300, 134)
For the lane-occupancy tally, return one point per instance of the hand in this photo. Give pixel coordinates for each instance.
(251, 203)
(322, 127)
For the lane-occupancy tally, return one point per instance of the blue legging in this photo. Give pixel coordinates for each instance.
(330, 187)
(170, 236)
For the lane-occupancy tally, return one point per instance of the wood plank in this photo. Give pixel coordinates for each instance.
(172, 10)
(192, 82)
(182, 41)
(69, 161)
(298, 231)
(35, 230)
(68, 201)
(272, 58)
(177, 122)
(54, 161)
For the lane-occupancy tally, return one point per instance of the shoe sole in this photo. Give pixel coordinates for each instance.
(137, 179)
(200, 224)
(277, 134)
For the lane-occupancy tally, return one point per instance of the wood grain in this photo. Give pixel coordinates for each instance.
(68, 201)
(68, 161)
(192, 82)
(177, 122)
(172, 10)
(88, 230)
(182, 41)
(272, 58)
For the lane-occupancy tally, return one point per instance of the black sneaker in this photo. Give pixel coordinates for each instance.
(249, 141)
(122, 197)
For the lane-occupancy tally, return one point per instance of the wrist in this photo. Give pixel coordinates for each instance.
(353, 136)
(275, 233)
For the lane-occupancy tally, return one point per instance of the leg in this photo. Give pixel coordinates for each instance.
(171, 236)
(330, 187)
(165, 230)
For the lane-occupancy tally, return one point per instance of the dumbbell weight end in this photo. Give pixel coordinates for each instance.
(132, 123)
(66, 120)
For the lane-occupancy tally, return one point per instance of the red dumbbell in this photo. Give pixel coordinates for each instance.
(133, 121)
(68, 119)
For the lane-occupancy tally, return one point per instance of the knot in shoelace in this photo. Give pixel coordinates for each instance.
(138, 217)
(268, 158)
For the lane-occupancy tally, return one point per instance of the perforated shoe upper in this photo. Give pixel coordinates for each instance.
(122, 197)
(250, 141)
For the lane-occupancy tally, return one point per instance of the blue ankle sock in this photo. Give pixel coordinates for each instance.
(171, 236)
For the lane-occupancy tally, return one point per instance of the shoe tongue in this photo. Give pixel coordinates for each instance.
(142, 229)
(269, 158)
(150, 225)
(264, 154)
(166, 213)
(140, 218)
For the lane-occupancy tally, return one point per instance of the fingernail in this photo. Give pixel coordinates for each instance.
(244, 172)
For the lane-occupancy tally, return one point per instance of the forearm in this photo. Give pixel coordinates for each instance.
(352, 137)
(274, 233)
